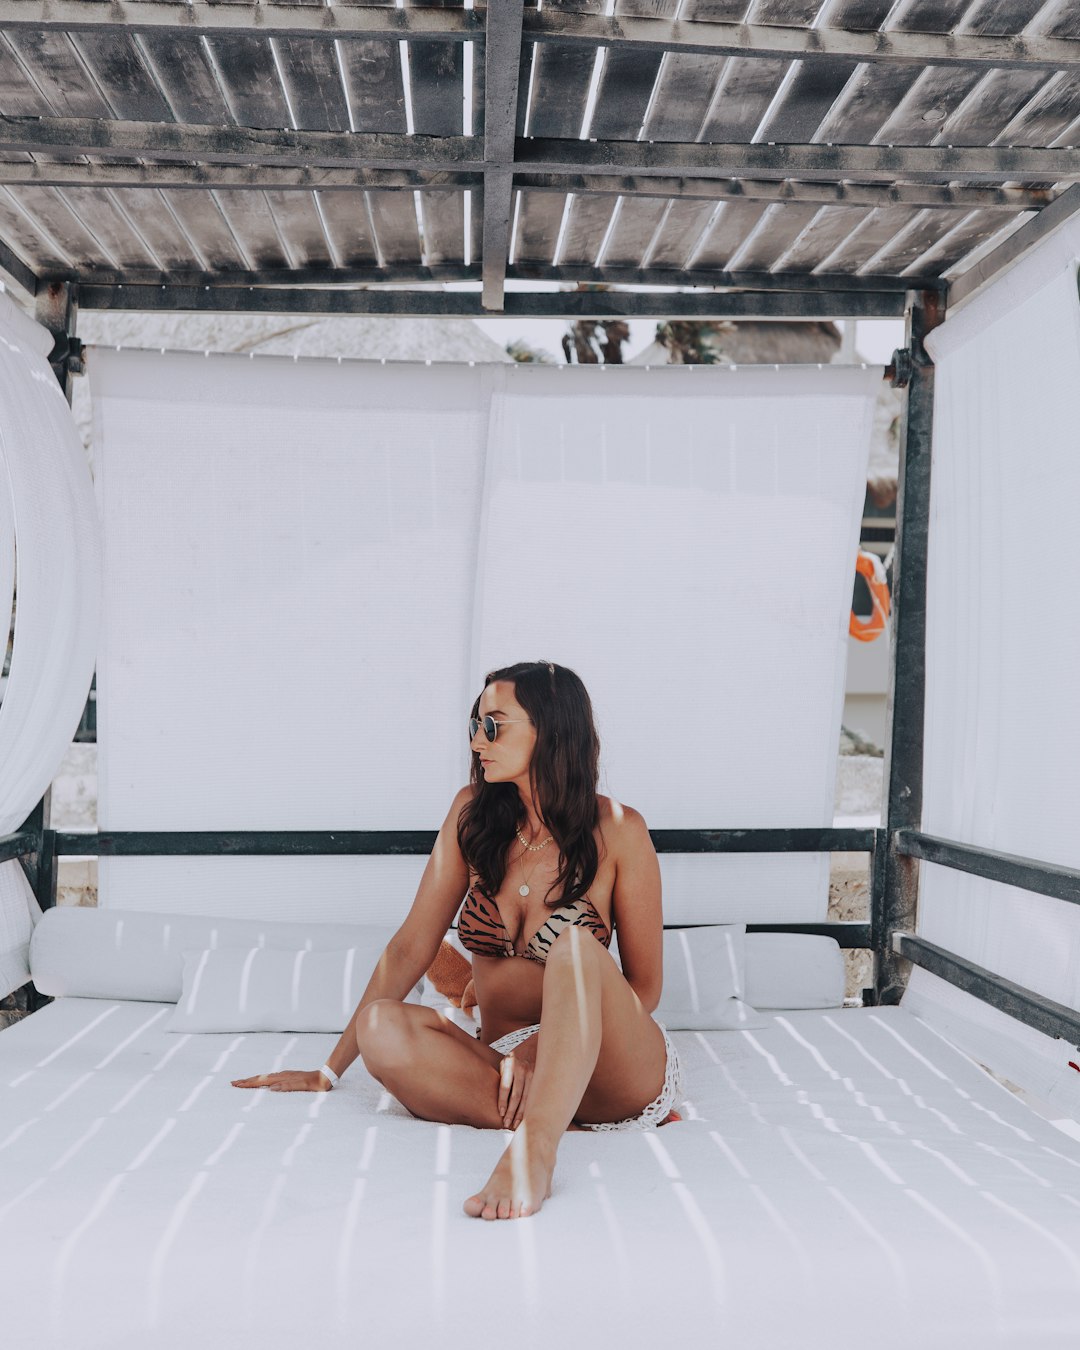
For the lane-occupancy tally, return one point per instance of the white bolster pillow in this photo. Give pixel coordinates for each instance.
(78, 952)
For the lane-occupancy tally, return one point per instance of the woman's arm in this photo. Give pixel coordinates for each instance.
(635, 905)
(407, 955)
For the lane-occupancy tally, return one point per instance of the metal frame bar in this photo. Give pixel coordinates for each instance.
(1010, 869)
(849, 934)
(398, 274)
(168, 843)
(896, 903)
(600, 304)
(22, 844)
(1053, 1019)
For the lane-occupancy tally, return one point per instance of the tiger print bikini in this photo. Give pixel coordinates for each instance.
(481, 929)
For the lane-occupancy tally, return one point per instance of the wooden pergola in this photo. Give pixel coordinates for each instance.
(679, 158)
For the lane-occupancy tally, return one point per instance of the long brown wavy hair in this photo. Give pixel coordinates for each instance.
(563, 774)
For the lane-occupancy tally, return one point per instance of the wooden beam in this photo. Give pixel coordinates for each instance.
(715, 278)
(235, 177)
(502, 61)
(889, 163)
(549, 304)
(361, 22)
(249, 19)
(988, 198)
(398, 274)
(310, 178)
(253, 146)
(695, 38)
(393, 274)
(16, 276)
(1049, 220)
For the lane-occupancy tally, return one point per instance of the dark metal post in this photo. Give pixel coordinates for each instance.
(894, 905)
(56, 307)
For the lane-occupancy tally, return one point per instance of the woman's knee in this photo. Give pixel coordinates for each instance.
(385, 1032)
(576, 947)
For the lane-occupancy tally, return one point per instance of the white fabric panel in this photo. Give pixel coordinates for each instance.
(1045, 1067)
(18, 912)
(47, 503)
(685, 540)
(158, 1206)
(291, 552)
(1003, 644)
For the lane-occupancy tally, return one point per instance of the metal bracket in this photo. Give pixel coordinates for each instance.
(899, 371)
(67, 355)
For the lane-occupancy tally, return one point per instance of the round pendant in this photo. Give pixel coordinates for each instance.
(523, 890)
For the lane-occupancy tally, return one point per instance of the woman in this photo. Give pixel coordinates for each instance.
(548, 869)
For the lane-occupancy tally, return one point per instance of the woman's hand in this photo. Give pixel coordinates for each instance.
(289, 1080)
(515, 1079)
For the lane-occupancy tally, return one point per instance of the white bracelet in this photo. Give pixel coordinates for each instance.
(328, 1073)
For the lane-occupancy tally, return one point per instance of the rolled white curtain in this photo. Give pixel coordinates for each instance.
(48, 507)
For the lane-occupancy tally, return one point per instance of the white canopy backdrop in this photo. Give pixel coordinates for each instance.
(311, 565)
(50, 552)
(632, 530)
(1003, 650)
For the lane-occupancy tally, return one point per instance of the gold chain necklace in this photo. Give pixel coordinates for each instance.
(523, 889)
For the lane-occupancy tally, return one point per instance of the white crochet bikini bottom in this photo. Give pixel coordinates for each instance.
(656, 1111)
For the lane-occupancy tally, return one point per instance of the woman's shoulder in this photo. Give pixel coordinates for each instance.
(620, 821)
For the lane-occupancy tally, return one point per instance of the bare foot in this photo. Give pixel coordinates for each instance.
(520, 1183)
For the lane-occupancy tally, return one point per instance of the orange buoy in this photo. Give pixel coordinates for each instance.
(870, 566)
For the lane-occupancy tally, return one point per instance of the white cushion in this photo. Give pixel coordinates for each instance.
(794, 970)
(703, 980)
(121, 954)
(271, 989)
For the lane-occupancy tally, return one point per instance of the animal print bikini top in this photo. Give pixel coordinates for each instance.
(482, 931)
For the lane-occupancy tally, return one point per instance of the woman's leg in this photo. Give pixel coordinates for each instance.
(600, 1056)
(434, 1068)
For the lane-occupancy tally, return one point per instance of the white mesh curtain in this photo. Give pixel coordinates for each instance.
(311, 565)
(1002, 751)
(50, 551)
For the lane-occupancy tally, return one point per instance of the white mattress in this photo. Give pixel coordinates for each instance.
(842, 1177)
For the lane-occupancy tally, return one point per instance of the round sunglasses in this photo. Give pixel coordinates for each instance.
(491, 727)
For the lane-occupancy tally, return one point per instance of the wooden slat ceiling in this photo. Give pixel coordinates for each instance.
(846, 150)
